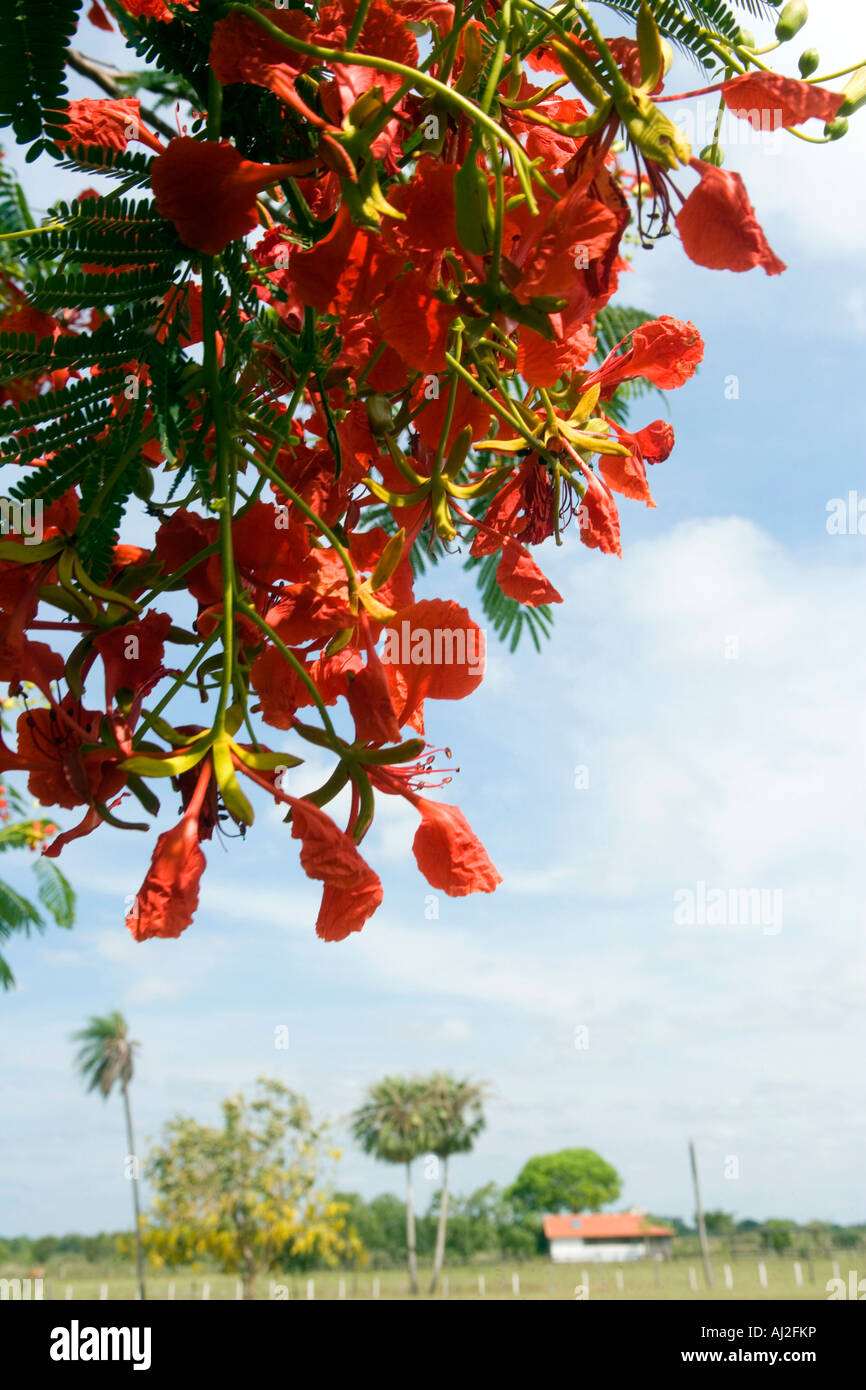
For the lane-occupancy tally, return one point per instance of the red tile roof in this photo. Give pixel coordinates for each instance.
(626, 1225)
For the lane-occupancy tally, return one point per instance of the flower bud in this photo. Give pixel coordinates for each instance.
(854, 93)
(713, 154)
(746, 39)
(379, 416)
(808, 62)
(143, 485)
(791, 20)
(834, 130)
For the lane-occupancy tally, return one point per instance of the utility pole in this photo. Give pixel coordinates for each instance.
(699, 1213)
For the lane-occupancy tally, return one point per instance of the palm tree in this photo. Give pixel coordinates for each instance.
(106, 1056)
(392, 1125)
(456, 1119)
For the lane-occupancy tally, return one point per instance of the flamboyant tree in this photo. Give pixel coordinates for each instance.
(344, 308)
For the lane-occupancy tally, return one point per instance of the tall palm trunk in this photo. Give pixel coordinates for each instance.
(410, 1232)
(139, 1253)
(439, 1255)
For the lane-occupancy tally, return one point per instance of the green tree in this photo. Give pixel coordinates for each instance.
(249, 1192)
(777, 1235)
(393, 1124)
(719, 1223)
(106, 1057)
(457, 1118)
(570, 1180)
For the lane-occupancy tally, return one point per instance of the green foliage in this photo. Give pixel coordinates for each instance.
(18, 915)
(393, 1124)
(54, 892)
(777, 1235)
(572, 1180)
(682, 21)
(106, 1054)
(719, 1223)
(33, 42)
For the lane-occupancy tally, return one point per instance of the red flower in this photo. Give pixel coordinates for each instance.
(383, 34)
(754, 96)
(97, 16)
(718, 226)
(449, 853)
(344, 273)
(432, 650)
(166, 902)
(665, 351)
(352, 890)
(106, 123)
(519, 577)
(627, 475)
(371, 703)
(132, 655)
(280, 690)
(154, 9)
(415, 323)
(50, 749)
(599, 520)
(241, 51)
(24, 660)
(208, 190)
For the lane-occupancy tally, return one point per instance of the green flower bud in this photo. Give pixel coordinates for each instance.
(746, 39)
(834, 130)
(379, 416)
(712, 154)
(854, 93)
(143, 485)
(791, 20)
(808, 62)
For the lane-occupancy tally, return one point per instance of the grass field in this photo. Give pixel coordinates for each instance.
(680, 1279)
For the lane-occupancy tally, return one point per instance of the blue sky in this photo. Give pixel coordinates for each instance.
(737, 771)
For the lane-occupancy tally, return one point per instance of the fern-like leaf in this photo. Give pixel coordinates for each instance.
(34, 37)
(54, 892)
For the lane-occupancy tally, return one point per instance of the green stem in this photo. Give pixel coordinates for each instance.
(491, 400)
(498, 57)
(222, 435)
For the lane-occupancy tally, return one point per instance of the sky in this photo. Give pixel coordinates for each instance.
(694, 728)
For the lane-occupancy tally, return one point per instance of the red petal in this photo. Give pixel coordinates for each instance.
(718, 226)
(519, 577)
(449, 853)
(754, 96)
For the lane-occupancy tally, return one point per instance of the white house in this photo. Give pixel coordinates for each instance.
(599, 1237)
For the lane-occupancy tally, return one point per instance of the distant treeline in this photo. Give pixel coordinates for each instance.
(484, 1225)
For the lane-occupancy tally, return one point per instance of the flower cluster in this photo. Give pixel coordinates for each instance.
(377, 259)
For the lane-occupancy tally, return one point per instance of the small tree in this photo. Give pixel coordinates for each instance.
(393, 1125)
(247, 1193)
(570, 1180)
